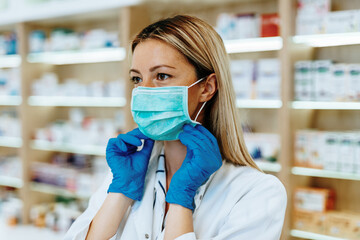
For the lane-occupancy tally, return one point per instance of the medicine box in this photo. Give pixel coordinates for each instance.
(242, 72)
(343, 224)
(268, 79)
(315, 140)
(314, 199)
(354, 81)
(347, 152)
(303, 81)
(330, 151)
(323, 81)
(357, 153)
(309, 221)
(340, 82)
(301, 148)
(270, 25)
(313, 7)
(342, 21)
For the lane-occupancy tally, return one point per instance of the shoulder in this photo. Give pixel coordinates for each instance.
(241, 181)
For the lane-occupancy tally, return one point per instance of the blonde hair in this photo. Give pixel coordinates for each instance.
(205, 50)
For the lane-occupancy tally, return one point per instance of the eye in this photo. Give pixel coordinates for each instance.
(163, 76)
(135, 80)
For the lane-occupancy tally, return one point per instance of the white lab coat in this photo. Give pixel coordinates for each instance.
(236, 203)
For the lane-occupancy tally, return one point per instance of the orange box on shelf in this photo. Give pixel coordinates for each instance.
(270, 25)
(309, 221)
(314, 199)
(343, 224)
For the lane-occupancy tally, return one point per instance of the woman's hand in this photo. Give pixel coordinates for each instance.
(128, 165)
(203, 158)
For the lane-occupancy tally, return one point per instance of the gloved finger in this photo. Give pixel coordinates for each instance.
(191, 142)
(196, 133)
(206, 132)
(148, 146)
(111, 146)
(130, 139)
(137, 133)
(213, 160)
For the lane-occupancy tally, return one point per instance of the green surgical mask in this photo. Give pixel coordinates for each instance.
(161, 112)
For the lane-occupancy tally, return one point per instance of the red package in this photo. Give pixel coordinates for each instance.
(270, 25)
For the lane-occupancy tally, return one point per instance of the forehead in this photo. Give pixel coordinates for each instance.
(152, 51)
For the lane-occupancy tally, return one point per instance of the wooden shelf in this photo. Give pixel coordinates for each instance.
(10, 100)
(10, 61)
(79, 56)
(253, 45)
(312, 172)
(326, 105)
(268, 166)
(12, 142)
(313, 236)
(54, 190)
(261, 104)
(11, 181)
(328, 40)
(76, 101)
(60, 9)
(69, 148)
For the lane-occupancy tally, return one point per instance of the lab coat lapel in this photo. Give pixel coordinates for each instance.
(143, 214)
(201, 192)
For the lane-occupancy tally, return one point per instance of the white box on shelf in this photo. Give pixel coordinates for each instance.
(311, 16)
(330, 151)
(347, 152)
(247, 26)
(314, 145)
(313, 7)
(303, 81)
(301, 148)
(323, 80)
(267, 145)
(312, 24)
(341, 21)
(242, 72)
(353, 92)
(340, 81)
(268, 79)
(357, 153)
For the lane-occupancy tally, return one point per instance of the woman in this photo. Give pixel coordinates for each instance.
(197, 180)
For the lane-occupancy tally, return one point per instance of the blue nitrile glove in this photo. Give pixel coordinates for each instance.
(203, 158)
(128, 165)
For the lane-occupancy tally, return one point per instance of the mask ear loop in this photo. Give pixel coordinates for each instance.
(200, 110)
(197, 82)
(197, 115)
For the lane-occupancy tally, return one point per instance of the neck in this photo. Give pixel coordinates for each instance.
(175, 153)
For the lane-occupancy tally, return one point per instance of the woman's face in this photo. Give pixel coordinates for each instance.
(157, 64)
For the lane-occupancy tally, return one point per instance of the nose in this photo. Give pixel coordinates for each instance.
(147, 82)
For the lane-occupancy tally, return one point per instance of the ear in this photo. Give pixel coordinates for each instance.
(209, 88)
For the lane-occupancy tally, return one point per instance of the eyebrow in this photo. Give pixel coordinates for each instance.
(152, 68)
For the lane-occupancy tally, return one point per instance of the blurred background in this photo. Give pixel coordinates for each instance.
(64, 91)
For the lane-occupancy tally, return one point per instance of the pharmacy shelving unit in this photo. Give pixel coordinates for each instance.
(331, 116)
(38, 111)
(283, 116)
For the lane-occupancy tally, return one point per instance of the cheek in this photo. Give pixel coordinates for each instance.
(193, 100)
